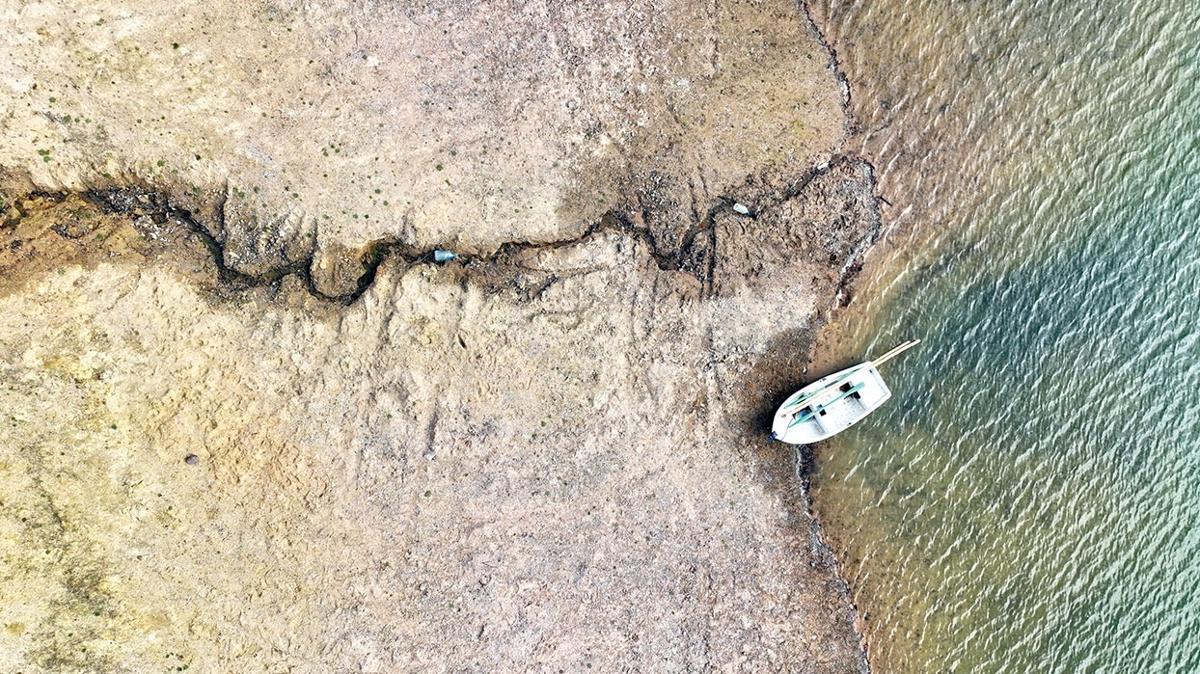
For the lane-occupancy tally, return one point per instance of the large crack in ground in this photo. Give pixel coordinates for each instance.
(696, 254)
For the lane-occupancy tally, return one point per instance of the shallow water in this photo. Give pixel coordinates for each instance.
(1029, 501)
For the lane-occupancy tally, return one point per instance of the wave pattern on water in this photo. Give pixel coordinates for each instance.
(1029, 501)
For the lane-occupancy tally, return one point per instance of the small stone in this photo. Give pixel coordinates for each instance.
(191, 459)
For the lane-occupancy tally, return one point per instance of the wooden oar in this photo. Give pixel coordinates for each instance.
(832, 382)
(796, 400)
(895, 352)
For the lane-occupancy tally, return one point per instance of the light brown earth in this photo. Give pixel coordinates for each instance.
(246, 427)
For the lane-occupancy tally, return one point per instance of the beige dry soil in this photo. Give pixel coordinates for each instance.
(247, 424)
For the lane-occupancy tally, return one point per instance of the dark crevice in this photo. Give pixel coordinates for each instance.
(696, 254)
(835, 67)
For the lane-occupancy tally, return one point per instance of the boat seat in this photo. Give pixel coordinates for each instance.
(813, 412)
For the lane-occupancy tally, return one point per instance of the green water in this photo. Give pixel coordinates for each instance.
(1030, 499)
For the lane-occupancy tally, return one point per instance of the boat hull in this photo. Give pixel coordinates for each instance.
(830, 405)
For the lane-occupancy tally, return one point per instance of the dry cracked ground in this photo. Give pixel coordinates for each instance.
(247, 424)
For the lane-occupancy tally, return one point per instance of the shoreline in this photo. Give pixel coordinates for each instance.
(888, 135)
(828, 351)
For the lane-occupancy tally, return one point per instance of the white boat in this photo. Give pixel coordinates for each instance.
(835, 402)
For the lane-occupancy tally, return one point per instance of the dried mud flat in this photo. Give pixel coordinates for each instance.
(248, 425)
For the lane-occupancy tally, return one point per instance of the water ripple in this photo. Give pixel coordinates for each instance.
(1029, 501)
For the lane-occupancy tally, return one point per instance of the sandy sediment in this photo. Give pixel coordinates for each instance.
(237, 438)
(319, 129)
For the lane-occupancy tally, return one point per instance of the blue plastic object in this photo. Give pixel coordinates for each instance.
(440, 255)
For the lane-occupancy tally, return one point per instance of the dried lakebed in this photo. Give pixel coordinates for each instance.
(242, 433)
